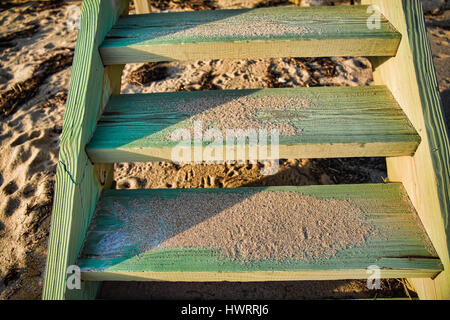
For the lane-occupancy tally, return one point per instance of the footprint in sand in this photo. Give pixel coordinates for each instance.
(39, 163)
(25, 137)
(20, 140)
(5, 76)
(10, 188)
(11, 206)
(28, 191)
(124, 185)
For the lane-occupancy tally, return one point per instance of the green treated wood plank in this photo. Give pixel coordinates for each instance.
(335, 122)
(249, 33)
(403, 250)
(78, 182)
(426, 175)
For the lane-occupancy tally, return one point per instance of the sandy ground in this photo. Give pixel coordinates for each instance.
(36, 50)
(438, 31)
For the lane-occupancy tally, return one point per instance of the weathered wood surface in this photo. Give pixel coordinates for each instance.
(78, 182)
(426, 176)
(336, 122)
(111, 253)
(248, 33)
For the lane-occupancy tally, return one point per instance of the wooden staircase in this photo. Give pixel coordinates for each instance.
(400, 118)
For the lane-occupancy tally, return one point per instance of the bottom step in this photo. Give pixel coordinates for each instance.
(257, 234)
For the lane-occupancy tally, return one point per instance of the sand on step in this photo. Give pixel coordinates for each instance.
(242, 113)
(243, 25)
(245, 227)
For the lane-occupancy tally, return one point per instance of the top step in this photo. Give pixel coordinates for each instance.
(249, 33)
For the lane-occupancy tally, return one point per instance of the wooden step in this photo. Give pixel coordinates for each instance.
(249, 33)
(298, 233)
(321, 122)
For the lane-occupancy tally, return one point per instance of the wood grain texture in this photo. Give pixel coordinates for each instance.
(248, 33)
(426, 176)
(403, 250)
(338, 122)
(78, 182)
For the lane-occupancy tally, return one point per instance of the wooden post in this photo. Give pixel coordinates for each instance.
(410, 76)
(143, 6)
(78, 181)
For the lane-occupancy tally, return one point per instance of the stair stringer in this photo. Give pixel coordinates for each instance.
(78, 181)
(411, 77)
